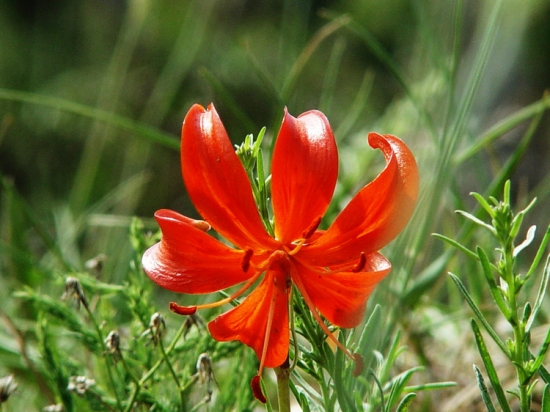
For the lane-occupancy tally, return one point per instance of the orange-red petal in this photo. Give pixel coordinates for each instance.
(342, 297)
(376, 214)
(187, 260)
(248, 321)
(304, 173)
(216, 180)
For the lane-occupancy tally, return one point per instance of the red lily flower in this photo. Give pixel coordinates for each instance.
(334, 270)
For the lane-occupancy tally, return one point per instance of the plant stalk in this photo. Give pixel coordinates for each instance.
(283, 388)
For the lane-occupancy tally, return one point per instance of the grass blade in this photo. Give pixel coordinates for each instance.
(490, 368)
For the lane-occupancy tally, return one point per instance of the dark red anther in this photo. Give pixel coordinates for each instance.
(182, 310)
(257, 389)
(361, 264)
(306, 234)
(245, 264)
(359, 364)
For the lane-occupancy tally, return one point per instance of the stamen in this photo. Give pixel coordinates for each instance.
(267, 330)
(245, 264)
(356, 358)
(359, 364)
(189, 310)
(257, 389)
(306, 234)
(255, 382)
(201, 225)
(361, 264)
(182, 310)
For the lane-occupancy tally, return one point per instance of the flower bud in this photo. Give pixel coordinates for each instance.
(73, 289)
(7, 388)
(80, 384)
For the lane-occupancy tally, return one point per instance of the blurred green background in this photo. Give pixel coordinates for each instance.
(89, 90)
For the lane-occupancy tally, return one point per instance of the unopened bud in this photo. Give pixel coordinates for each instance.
(96, 264)
(80, 384)
(112, 341)
(73, 289)
(54, 408)
(7, 388)
(156, 328)
(205, 373)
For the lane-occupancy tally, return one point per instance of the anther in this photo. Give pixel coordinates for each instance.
(201, 225)
(182, 310)
(361, 264)
(359, 364)
(245, 264)
(257, 389)
(306, 234)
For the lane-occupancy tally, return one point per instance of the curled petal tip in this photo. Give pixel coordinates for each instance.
(257, 389)
(182, 310)
(359, 364)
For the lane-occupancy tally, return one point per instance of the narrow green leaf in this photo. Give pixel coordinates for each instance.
(430, 386)
(322, 34)
(476, 220)
(479, 315)
(425, 280)
(392, 355)
(541, 355)
(490, 368)
(481, 200)
(406, 402)
(540, 254)
(504, 126)
(483, 389)
(144, 131)
(545, 407)
(544, 374)
(331, 75)
(398, 385)
(353, 113)
(457, 245)
(493, 287)
(380, 390)
(540, 294)
(369, 336)
(225, 95)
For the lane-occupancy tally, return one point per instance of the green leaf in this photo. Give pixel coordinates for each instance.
(370, 336)
(539, 255)
(493, 287)
(483, 389)
(490, 368)
(380, 390)
(457, 245)
(540, 294)
(146, 132)
(398, 385)
(479, 315)
(406, 402)
(541, 355)
(545, 407)
(504, 126)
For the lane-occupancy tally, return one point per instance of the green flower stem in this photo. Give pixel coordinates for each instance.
(104, 348)
(283, 386)
(145, 378)
(127, 368)
(518, 351)
(174, 375)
